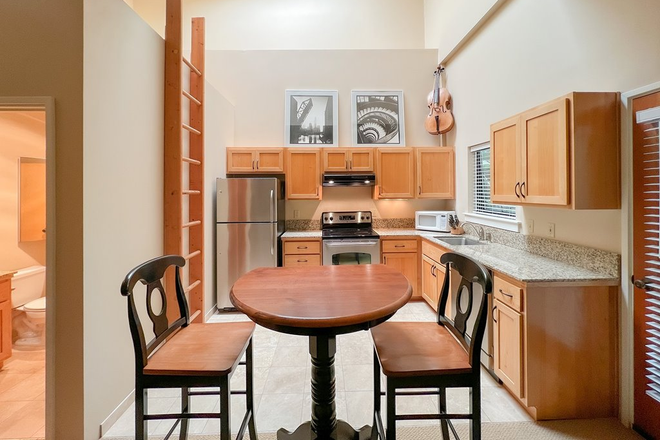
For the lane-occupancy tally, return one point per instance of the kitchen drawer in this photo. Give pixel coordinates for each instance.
(508, 293)
(5, 290)
(433, 251)
(302, 260)
(302, 247)
(399, 246)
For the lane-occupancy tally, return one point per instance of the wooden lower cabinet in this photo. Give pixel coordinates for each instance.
(301, 252)
(508, 343)
(406, 262)
(429, 282)
(5, 319)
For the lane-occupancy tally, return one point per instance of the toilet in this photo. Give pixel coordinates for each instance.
(28, 302)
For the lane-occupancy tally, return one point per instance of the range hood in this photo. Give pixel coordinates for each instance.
(349, 179)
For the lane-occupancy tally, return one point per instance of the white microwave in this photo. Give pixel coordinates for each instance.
(437, 221)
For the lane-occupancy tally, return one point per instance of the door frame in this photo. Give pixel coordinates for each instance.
(47, 104)
(626, 306)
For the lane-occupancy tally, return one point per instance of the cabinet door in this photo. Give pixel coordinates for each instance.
(429, 282)
(505, 162)
(395, 173)
(435, 173)
(240, 160)
(303, 173)
(406, 263)
(361, 159)
(5, 330)
(335, 159)
(269, 160)
(545, 154)
(508, 346)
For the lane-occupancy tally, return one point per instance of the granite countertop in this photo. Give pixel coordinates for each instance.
(4, 273)
(516, 263)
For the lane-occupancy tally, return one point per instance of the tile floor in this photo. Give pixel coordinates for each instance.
(282, 386)
(22, 394)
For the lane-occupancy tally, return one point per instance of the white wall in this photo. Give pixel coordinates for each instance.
(22, 134)
(299, 24)
(533, 51)
(42, 50)
(123, 181)
(219, 134)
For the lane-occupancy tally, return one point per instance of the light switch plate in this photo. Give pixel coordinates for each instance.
(296, 213)
(530, 226)
(551, 230)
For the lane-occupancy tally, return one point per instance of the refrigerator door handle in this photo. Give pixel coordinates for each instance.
(272, 205)
(272, 239)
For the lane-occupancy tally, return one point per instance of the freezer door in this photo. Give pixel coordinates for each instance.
(247, 200)
(242, 247)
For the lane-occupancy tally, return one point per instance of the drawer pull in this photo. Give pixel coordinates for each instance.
(399, 245)
(505, 294)
(302, 261)
(302, 247)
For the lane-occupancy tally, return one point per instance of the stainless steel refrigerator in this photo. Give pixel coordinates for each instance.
(249, 223)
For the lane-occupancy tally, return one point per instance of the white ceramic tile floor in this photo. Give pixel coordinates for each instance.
(282, 385)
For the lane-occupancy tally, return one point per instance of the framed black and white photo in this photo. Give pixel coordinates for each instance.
(377, 118)
(310, 118)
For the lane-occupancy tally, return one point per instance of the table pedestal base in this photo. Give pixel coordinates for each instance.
(344, 431)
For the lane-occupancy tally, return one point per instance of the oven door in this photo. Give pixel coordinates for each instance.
(351, 251)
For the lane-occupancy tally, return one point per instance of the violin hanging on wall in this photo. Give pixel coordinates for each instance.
(440, 119)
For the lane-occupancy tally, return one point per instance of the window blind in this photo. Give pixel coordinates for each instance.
(481, 203)
(651, 207)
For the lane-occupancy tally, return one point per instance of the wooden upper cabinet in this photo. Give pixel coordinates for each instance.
(505, 161)
(303, 173)
(348, 159)
(435, 173)
(395, 173)
(545, 170)
(563, 153)
(267, 160)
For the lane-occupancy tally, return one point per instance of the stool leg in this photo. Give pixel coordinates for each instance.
(391, 410)
(475, 407)
(141, 408)
(225, 409)
(374, 430)
(185, 408)
(249, 387)
(443, 410)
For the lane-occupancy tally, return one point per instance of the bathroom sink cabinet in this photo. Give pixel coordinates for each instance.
(5, 318)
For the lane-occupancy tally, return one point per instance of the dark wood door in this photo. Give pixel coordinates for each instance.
(646, 261)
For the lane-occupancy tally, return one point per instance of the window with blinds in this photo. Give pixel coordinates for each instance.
(481, 203)
(649, 123)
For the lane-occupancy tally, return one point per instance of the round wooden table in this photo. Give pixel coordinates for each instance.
(321, 302)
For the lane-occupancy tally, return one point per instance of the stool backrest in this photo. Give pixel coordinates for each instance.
(466, 310)
(151, 274)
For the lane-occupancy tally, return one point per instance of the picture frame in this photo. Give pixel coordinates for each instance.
(377, 118)
(311, 118)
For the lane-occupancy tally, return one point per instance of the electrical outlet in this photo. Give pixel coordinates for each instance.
(530, 226)
(551, 230)
(296, 213)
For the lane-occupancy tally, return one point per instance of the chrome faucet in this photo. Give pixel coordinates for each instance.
(480, 232)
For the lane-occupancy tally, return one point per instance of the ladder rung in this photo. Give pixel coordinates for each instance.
(192, 161)
(191, 192)
(193, 285)
(191, 97)
(190, 224)
(192, 255)
(190, 129)
(193, 68)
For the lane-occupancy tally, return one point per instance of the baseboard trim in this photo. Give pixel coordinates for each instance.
(117, 413)
(211, 312)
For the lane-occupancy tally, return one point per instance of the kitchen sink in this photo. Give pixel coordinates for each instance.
(462, 241)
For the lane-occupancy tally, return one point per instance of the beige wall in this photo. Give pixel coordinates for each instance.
(299, 24)
(531, 52)
(42, 50)
(123, 202)
(22, 134)
(256, 82)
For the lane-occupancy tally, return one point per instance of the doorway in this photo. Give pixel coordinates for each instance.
(646, 263)
(27, 192)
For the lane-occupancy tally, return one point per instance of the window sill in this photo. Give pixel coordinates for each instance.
(494, 222)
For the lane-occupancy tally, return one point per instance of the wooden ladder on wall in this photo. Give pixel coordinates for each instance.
(184, 202)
